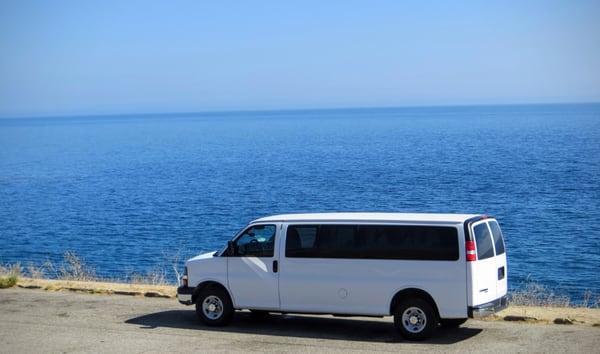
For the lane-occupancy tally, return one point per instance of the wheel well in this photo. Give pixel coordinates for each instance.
(207, 284)
(412, 292)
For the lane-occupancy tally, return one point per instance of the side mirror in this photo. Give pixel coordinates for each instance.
(230, 248)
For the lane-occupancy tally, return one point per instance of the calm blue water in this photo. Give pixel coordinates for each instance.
(124, 191)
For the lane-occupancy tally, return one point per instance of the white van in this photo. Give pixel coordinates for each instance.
(423, 269)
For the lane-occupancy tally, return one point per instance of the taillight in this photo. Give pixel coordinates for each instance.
(471, 255)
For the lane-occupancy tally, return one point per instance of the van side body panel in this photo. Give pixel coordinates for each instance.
(367, 286)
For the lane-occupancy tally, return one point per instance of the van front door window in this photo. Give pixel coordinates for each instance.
(256, 241)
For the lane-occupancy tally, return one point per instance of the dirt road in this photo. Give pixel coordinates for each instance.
(42, 321)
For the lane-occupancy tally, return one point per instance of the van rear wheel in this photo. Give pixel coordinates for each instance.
(415, 319)
(452, 322)
(214, 307)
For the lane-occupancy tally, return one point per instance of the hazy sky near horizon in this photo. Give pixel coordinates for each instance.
(104, 57)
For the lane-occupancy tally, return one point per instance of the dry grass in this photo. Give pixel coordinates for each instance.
(155, 276)
(74, 274)
(531, 293)
(37, 272)
(74, 268)
(99, 287)
(11, 270)
(8, 282)
(9, 275)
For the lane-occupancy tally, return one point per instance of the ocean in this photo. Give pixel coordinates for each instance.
(131, 193)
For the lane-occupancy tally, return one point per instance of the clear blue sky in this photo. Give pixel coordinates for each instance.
(104, 57)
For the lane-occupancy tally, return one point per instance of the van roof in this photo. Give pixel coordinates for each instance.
(369, 217)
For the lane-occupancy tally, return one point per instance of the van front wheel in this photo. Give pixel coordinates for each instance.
(214, 307)
(414, 319)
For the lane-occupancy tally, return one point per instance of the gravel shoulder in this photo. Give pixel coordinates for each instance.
(47, 321)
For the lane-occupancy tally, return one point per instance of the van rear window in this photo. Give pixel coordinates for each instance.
(497, 235)
(484, 241)
(372, 242)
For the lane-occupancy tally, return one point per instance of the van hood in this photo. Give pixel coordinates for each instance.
(203, 256)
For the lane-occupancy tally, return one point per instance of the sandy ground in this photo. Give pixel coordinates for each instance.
(69, 322)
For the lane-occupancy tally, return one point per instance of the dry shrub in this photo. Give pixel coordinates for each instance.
(8, 270)
(531, 293)
(8, 282)
(589, 300)
(535, 294)
(74, 268)
(156, 276)
(174, 259)
(9, 275)
(46, 270)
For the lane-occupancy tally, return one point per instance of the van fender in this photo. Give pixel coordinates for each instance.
(408, 291)
(211, 281)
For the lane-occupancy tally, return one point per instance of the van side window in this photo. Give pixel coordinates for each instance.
(437, 243)
(300, 241)
(335, 241)
(256, 241)
(498, 238)
(372, 242)
(484, 241)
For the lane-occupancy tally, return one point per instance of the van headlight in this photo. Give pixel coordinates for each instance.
(184, 277)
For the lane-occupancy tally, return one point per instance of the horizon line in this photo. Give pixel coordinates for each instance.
(276, 110)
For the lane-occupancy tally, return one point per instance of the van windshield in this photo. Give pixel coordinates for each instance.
(497, 235)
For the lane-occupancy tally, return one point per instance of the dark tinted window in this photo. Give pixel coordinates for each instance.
(300, 241)
(256, 241)
(484, 242)
(372, 242)
(497, 235)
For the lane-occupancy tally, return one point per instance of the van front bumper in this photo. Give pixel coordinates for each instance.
(488, 308)
(184, 295)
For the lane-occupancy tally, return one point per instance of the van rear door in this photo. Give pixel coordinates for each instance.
(487, 273)
(500, 251)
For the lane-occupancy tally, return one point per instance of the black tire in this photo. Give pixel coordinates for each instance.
(452, 322)
(258, 314)
(223, 307)
(419, 310)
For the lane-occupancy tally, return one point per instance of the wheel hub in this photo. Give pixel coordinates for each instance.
(414, 319)
(212, 307)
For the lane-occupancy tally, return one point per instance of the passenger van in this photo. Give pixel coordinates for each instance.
(424, 270)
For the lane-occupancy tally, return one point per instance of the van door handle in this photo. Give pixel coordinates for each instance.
(275, 266)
